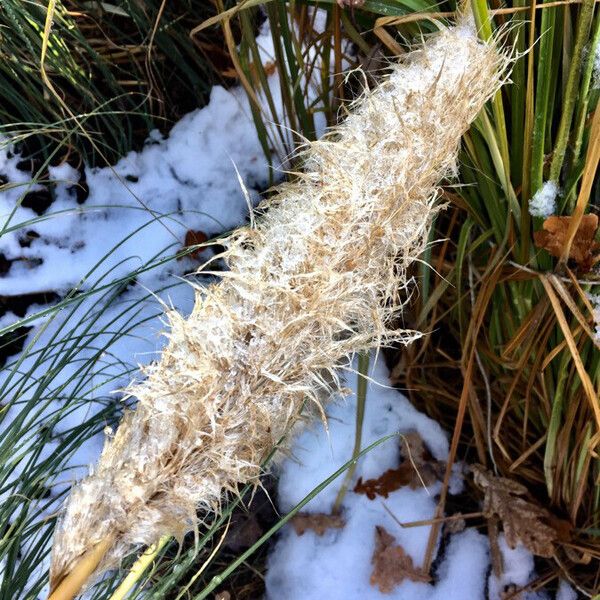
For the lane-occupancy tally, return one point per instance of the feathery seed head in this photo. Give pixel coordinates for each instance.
(316, 280)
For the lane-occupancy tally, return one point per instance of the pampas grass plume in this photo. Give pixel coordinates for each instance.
(316, 279)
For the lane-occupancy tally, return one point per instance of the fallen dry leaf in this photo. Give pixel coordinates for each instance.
(194, 238)
(418, 468)
(391, 564)
(553, 238)
(317, 522)
(522, 520)
(391, 480)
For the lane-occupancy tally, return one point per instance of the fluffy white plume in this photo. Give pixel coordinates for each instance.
(317, 279)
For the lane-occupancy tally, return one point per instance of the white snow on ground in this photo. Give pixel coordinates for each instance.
(337, 565)
(543, 203)
(187, 180)
(565, 591)
(518, 568)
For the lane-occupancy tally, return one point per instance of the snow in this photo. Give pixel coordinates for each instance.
(338, 565)
(595, 300)
(596, 68)
(143, 205)
(543, 203)
(517, 567)
(565, 591)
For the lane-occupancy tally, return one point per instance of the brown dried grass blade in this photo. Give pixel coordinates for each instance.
(587, 180)
(586, 382)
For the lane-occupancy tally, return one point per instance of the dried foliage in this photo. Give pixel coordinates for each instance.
(418, 468)
(124, 67)
(554, 237)
(391, 564)
(316, 279)
(317, 522)
(522, 520)
(194, 238)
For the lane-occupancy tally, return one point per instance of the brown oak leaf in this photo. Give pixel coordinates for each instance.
(391, 564)
(194, 238)
(418, 468)
(317, 522)
(553, 238)
(522, 520)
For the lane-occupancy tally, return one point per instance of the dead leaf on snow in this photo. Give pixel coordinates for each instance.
(553, 238)
(418, 469)
(194, 238)
(317, 522)
(522, 520)
(391, 564)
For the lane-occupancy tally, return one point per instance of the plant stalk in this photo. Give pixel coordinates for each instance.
(73, 583)
(138, 569)
(361, 397)
(572, 89)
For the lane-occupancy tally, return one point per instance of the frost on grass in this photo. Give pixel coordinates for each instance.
(596, 69)
(543, 203)
(316, 280)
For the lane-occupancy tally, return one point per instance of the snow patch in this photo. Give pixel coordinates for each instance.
(565, 591)
(543, 203)
(517, 567)
(595, 300)
(596, 69)
(338, 565)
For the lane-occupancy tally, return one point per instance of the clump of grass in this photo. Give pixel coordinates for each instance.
(69, 372)
(123, 68)
(512, 354)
